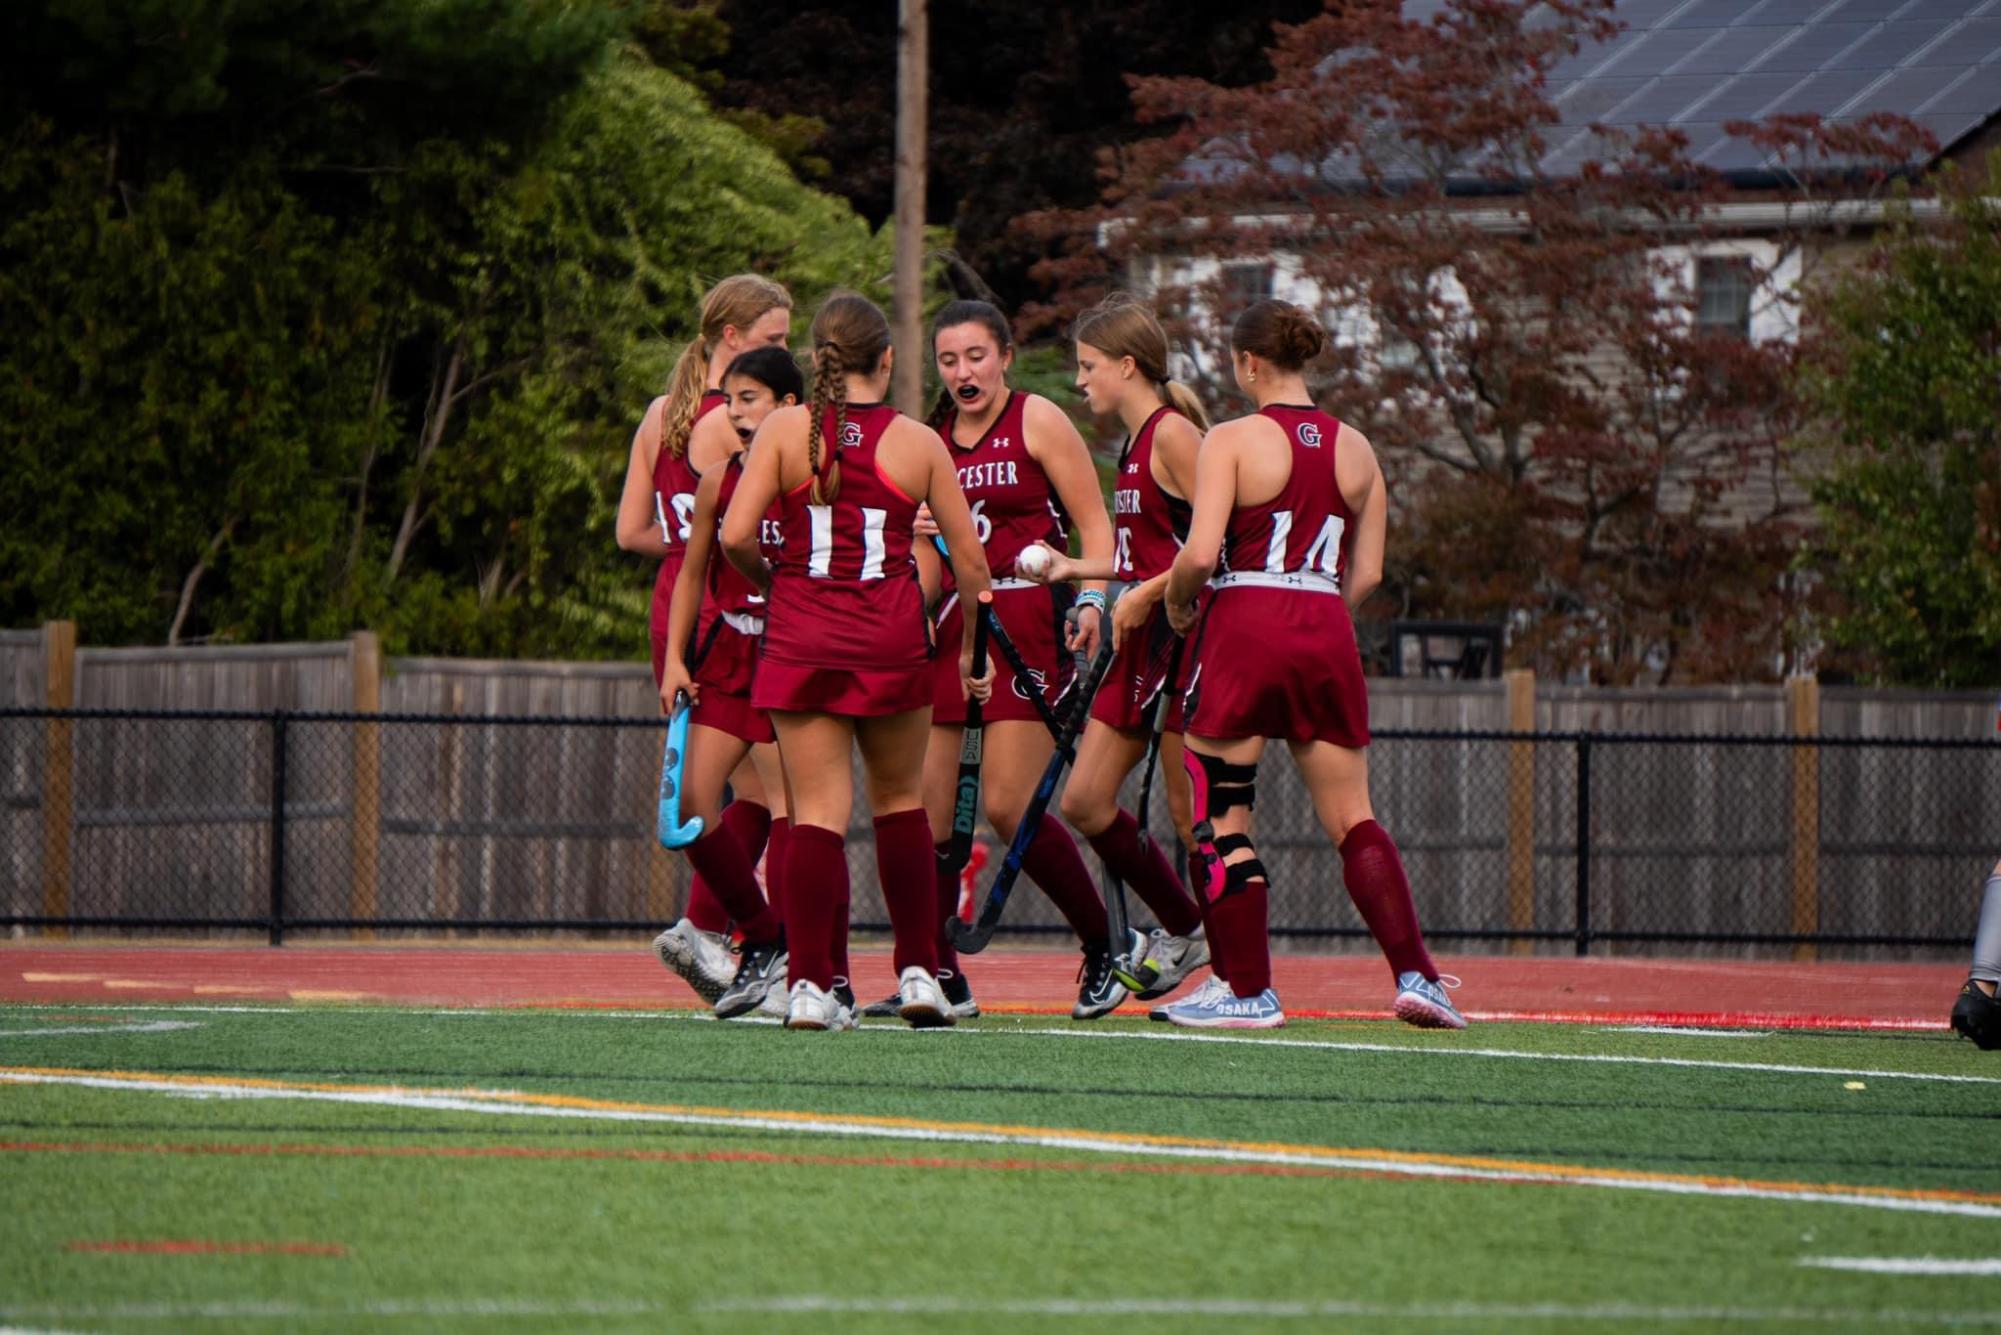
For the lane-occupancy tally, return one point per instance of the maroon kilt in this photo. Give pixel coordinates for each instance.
(1277, 662)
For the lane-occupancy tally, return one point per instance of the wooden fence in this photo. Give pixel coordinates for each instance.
(1691, 832)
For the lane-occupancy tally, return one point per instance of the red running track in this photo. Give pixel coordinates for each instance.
(1627, 991)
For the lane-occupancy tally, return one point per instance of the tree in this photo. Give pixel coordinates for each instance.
(341, 314)
(1570, 450)
(1906, 446)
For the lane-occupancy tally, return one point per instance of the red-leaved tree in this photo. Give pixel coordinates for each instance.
(1570, 450)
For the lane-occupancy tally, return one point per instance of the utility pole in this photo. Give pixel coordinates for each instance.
(913, 69)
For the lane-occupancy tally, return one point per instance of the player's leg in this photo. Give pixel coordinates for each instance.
(1373, 872)
(1235, 886)
(1017, 752)
(721, 860)
(1977, 1014)
(749, 813)
(940, 783)
(816, 862)
(1105, 756)
(893, 752)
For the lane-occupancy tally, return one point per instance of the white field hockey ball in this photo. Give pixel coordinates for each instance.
(1033, 561)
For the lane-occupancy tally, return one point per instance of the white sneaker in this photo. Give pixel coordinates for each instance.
(703, 958)
(1205, 995)
(810, 1008)
(924, 1003)
(1172, 959)
(1227, 1010)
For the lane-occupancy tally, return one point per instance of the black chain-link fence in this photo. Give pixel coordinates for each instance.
(312, 822)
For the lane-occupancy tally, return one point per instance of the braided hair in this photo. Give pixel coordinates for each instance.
(849, 336)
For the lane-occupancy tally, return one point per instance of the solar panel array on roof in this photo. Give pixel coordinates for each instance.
(1697, 64)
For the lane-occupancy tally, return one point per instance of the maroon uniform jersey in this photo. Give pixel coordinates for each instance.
(674, 483)
(1149, 525)
(727, 588)
(844, 591)
(1012, 503)
(1302, 531)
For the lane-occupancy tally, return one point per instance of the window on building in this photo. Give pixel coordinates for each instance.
(1244, 283)
(1723, 288)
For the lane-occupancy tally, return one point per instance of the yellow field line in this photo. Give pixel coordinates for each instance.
(1138, 1142)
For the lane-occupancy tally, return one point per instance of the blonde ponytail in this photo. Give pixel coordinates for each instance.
(740, 300)
(1183, 400)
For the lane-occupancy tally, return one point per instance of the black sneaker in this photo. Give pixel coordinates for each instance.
(889, 1008)
(1101, 992)
(1977, 1016)
(761, 968)
(960, 993)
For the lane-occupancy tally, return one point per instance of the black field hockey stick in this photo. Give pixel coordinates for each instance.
(966, 797)
(1016, 663)
(1137, 975)
(972, 938)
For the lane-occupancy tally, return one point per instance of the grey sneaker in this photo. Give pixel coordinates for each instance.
(1101, 991)
(762, 968)
(703, 958)
(1205, 994)
(1172, 959)
(1422, 1001)
(810, 1008)
(1224, 1009)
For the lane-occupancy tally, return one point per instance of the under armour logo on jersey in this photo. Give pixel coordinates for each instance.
(1309, 435)
(1041, 684)
(851, 436)
(1001, 442)
(1133, 467)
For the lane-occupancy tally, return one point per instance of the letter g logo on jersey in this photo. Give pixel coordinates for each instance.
(851, 435)
(1309, 435)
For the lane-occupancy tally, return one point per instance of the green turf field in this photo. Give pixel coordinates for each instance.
(327, 1168)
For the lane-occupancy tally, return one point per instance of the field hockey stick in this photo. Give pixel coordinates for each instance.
(966, 803)
(1138, 976)
(672, 832)
(972, 938)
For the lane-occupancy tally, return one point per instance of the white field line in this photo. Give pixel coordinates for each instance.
(1114, 1035)
(139, 1027)
(1905, 1265)
(1310, 1310)
(1687, 1033)
(1076, 1308)
(505, 1103)
(1621, 1059)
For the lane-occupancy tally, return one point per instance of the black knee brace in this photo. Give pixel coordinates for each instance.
(1237, 875)
(1226, 785)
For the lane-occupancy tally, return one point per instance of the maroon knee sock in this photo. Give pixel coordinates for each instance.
(1374, 875)
(816, 897)
(1240, 938)
(703, 908)
(774, 863)
(909, 871)
(841, 973)
(1056, 865)
(720, 859)
(1148, 872)
(946, 882)
(750, 822)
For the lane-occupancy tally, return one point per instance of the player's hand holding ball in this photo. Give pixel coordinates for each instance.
(1041, 563)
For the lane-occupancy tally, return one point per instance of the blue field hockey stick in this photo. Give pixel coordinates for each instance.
(673, 833)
